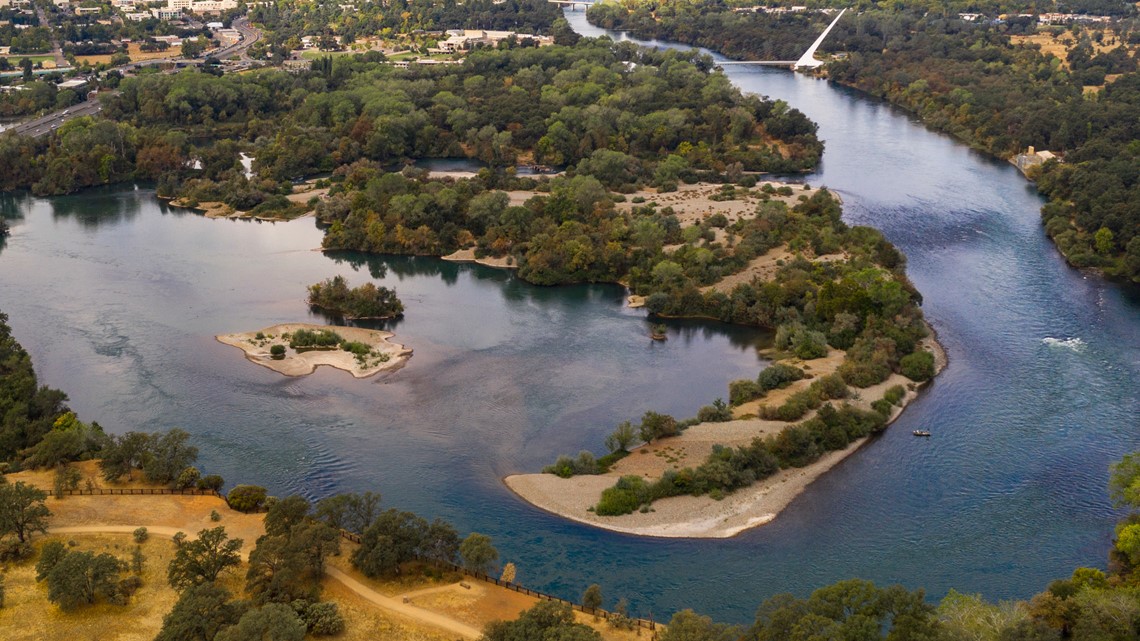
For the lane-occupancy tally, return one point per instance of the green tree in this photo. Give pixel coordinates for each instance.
(592, 597)
(22, 510)
(274, 621)
(286, 513)
(202, 611)
(352, 512)
(170, 454)
(1124, 481)
(81, 578)
(204, 558)
(546, 620)
(621, 438)
(124, 455)
(687, 625)
(477, 552)
(247, 498)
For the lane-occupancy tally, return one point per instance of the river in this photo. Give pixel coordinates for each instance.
(118, 297)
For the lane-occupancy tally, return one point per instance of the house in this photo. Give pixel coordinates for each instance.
(87, 11)
(166, 14)
(1033, 158)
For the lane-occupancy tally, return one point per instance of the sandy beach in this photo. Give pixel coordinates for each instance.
(703, 516)
(303, 363)
(468, 256)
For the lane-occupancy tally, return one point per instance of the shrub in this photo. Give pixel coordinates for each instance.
(917, 366)
(623, 498)
(882, 406)
(211, 482)
(742, 391)
(277, 352)
(808, 344)
(565, 467)
(214, 516)
(313, 339)
(323, 619)
(895, 394)
(141, 535)
(830, 387)
(718, 412)
(247, 498)
(778, 375)
(188, 478)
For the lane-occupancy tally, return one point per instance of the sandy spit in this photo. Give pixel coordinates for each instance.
(305, 363)
(468, 256)
(703, 516)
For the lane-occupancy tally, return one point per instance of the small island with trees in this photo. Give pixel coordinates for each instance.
(297, 349)
(365, 302)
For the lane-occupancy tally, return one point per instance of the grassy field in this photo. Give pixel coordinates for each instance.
(132, 51)
(29, 616)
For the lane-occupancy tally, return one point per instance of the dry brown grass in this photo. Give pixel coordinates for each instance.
(28, 615)
(1059, 44)
(132, 51)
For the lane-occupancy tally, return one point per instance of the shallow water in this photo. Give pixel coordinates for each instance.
(118, 297)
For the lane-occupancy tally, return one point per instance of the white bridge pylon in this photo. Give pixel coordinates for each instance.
(808, 60)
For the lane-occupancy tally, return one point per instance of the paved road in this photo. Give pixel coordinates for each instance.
(46, 124)
(392, 604)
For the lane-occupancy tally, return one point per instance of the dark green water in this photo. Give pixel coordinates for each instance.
(118, 300)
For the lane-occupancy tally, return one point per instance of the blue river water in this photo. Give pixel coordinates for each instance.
(118, 297)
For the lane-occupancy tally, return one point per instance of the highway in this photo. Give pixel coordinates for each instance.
(44, 125)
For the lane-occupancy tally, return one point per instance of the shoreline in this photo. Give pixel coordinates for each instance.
(702, 517)
(304, 363)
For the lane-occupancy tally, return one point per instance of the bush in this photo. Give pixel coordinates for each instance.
(742, 391)
(565, 467)
(718, 412)
(188, 478)
(830, 387)
(778, 375)
(322, 338)
(211, 482)
(882, 406)
(141, 535)
(247, 498)
(214, 516)
(623, 498)
(917, 366)
(895, 395)
(323, 619)
(808, 344)
(277, 352)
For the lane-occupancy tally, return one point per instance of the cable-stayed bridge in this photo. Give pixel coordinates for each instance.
(806, 61)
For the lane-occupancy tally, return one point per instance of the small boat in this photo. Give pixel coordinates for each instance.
(921, 433)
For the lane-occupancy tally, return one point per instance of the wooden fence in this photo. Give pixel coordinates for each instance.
(139, 492)
(647, 624)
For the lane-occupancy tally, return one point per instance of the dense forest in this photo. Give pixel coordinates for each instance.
(561, 105)
(968, 79)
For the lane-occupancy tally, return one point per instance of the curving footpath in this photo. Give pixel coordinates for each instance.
(392, 604)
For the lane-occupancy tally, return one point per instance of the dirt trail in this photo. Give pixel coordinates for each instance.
(392, 604)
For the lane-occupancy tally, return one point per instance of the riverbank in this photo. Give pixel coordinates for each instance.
(385, 354)
(704, 516)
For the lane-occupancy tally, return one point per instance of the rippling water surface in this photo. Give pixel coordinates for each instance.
(118, 298)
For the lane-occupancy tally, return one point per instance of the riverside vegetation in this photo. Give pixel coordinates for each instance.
(364, 302)
(974, 80)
